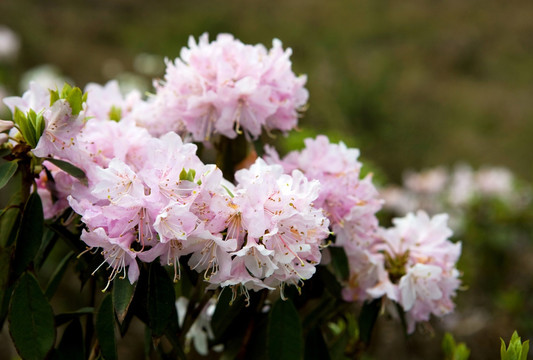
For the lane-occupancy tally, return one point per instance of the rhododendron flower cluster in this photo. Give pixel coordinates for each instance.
(412, 263)
(226, 87)
(419, 269)
(145, 195)
(350, 203)
(151, 198)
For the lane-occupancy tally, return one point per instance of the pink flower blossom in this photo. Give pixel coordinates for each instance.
(225, 86)
(349, 202)
(419, 269)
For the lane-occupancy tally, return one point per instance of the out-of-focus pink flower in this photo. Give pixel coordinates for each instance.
(419, 266)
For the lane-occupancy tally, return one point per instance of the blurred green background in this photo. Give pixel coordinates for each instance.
(413, 84)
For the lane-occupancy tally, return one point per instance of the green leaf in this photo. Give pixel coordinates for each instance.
(25, 127)
(525, 350)
(63, 318)
(285, 339)
(448, 346)
(31, 320)
(105, 329)
(7, 171)
(122, 297)
(54, 281)
(161, 299)
(30, 234)
(54, 96)
(72, 346)
(339, 261)
(65, 91)
(10, 220)
(516, 349)
(75, 100)
(39, 126)
(70, 169)
(367, 319)
(453, 351)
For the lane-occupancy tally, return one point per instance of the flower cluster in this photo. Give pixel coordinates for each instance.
(412, 263)
(150, 198)
(351, 203)
(146, 196)
(223, 86)
(438, 190)
(418, 269)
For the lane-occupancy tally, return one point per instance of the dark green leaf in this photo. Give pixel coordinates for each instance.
(72, 240)
(161, 299)
(284, 332)
(9, 223)
(122, 296)
(71, 346)
(57, 276)
(70, 169)
(225, 312)
(31, 320)
(5, 288)
(324, 308)
(315, 346)
(4, 152)
(30, 234)
(105, 329)
(330, 281)
(367, 319)
(7, 170)
(339, 260)
(48, 243)
(61, 319)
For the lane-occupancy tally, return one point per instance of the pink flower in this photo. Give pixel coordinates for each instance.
(116, 252)
(107, 103)
(54, 191)
(277, 229)
(351, 204)
(225, 86)
(36, 98)
(419, 266)
(60, 132)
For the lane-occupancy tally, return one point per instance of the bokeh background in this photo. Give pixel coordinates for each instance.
(413, 84)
